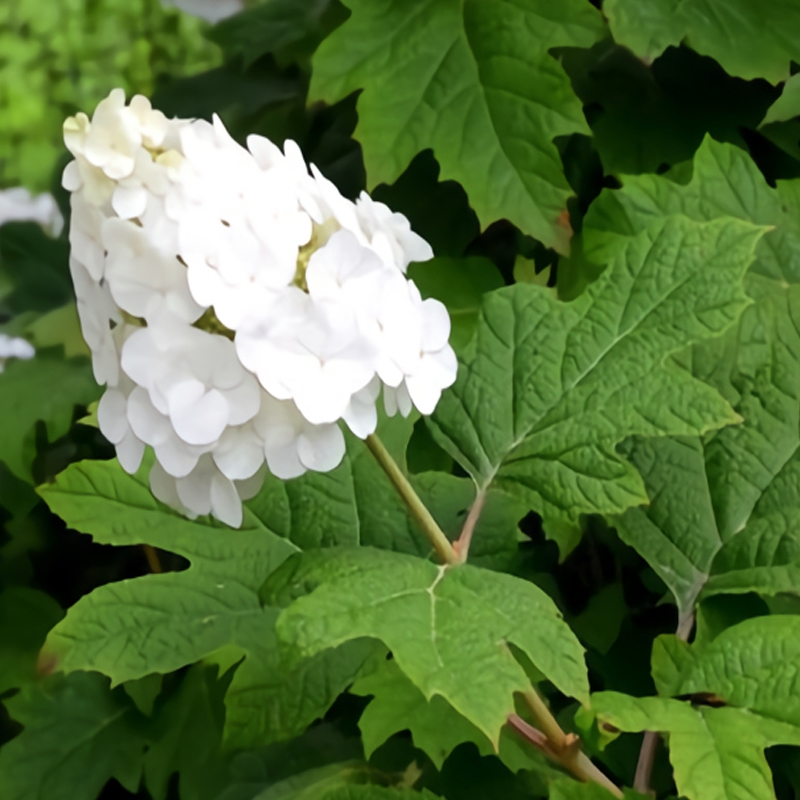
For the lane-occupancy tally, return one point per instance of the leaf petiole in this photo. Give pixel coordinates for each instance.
(418, 509)
(461, 546)
(564, 747)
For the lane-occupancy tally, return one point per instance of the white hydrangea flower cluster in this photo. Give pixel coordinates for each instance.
(237, 306)
(14, 347)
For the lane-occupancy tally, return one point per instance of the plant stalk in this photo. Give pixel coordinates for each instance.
(647, 753)
(418, 509)
(461, 546)
(153, 560)
(566, 746)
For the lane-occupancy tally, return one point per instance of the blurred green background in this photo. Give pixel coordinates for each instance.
(61, 56)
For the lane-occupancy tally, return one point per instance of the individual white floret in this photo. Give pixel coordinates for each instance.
(177, 456)
(112, 417)
(308, 355)
(144, 280)
(414, 347)
(101, 323)
(110, 140)
(292, 444)
(203, 491)
(390, 234)
(193, 377)
(85, 236)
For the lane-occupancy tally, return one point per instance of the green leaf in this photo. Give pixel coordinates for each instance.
(270, 700)
(398, 705)
(26, 615)
(59, 327)
(717, 753)
(36, 266)
(159, 623)
(77, 736)
(446, 627)
(749, 40)
(17, 497)
(764, 556)
(185, 738)
(469, 81)
(435, 727)
(290, 28)
(376, 793)
(314, 783)
(27, 396)
(547, 389)
(787, 106)
(677, 533)
(751, 665)
(144, 691)
(570, 789)
(733, 518)
(724, 182)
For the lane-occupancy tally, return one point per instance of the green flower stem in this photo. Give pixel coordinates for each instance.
(566, 746)
(418, 510)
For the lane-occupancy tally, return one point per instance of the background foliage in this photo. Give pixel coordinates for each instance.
(613, 196)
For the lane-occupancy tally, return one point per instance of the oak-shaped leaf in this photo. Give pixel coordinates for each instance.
(447, 628)
(474, 81)
(435, 726)
(751, 665)
(749, 40)
(77, 736)
(547, 389)
(160, 623)
(716, 753)
(724, 510)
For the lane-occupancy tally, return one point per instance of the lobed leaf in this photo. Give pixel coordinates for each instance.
(77, 736)
(730, 528)
(752, 665)
(27, 396)
(447, 628)
(469, 80)
(398, 705)
(750, 40)
(159, 623)
(548, 389)
(717, 753)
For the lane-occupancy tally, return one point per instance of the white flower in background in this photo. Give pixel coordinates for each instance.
(18, 205)
(238, 307)
(210, 10)
(14, 347)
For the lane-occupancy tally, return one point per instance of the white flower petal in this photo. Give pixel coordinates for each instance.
(112, 415)
(199, 416)
(226, 505)
(130, 451)
(321, 448)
